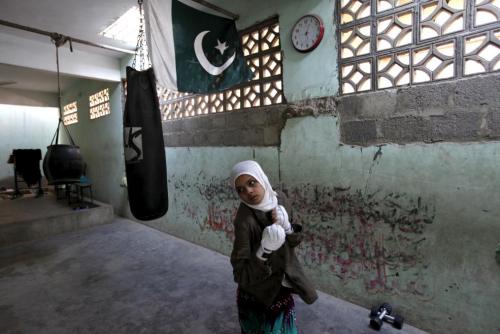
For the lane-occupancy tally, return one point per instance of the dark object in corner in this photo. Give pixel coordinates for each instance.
(27, 165)
(145, 162)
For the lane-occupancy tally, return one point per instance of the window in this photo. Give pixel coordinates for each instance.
(262, 51)
(392, 43)
(99, 104)
(70, 115)
(125, 28)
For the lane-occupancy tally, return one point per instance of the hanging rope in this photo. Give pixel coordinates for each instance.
(141, 56)
(58, 83)
(59, 40)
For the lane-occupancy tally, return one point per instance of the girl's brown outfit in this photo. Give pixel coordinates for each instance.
(263, 279)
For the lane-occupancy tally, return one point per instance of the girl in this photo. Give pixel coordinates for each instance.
(263, 258)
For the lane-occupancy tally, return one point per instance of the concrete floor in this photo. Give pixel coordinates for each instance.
(125, 277)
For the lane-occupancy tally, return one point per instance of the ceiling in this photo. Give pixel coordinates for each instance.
(27, 60)
(16, 77)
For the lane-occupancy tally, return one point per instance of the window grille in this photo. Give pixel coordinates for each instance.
(70, 113)
(99, 104)
(393, 43)
(262, 50)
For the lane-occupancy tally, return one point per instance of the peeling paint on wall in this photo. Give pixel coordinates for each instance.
(375, 238)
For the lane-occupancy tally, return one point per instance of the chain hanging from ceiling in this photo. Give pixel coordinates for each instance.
(141, 57)
(58, 41)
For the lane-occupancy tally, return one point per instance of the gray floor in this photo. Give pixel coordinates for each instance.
(124, 277)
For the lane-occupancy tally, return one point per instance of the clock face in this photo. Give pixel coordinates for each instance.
(307, 33)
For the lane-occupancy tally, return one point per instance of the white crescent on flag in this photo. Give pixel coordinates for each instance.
(204, 62)
(177, 55)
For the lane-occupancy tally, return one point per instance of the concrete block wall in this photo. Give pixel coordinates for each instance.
(248, 127)
(256, 127)
(456, 111)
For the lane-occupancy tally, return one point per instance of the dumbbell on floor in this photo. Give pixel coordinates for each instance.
(383, 313)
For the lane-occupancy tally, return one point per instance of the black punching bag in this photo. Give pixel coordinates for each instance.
(145, 162)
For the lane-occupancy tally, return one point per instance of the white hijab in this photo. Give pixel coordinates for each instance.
(250, 167)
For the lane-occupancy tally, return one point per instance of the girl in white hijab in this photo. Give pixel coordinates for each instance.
(263, 259)
(269, 201)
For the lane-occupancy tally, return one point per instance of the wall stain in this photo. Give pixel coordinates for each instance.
(377, 239)
(378, 153)
(220, 205)
(376, 156)
(220, 220)
(374, 240)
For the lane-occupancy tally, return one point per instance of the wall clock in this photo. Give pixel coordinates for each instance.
(307, 33)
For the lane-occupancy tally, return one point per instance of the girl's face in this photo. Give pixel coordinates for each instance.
(249, 189)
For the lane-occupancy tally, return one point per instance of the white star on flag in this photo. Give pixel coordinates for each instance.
(221, 47)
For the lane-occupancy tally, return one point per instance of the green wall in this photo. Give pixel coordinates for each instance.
(27, 128)
(412, 225)
(100, 141)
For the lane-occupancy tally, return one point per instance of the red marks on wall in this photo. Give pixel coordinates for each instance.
(217, 209)
(220, 220)
(370, 239)
(373, 241)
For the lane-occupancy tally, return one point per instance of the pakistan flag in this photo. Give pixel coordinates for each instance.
(191, 50)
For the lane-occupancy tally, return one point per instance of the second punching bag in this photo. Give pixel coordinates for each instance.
(145, 162)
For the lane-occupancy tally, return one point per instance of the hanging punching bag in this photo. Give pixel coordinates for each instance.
(145, 162)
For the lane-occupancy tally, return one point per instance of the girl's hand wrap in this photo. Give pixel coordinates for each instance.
(273, 237)
(281, 218)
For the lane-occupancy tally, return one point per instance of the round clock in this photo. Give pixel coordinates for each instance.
(307, 33)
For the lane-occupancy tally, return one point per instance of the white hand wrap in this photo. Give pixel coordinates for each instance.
(282, 219)
(273, 237)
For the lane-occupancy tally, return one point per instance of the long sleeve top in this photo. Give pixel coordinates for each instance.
(263, 279)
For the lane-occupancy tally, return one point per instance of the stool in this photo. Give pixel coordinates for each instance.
(62, 191)
(80, 187)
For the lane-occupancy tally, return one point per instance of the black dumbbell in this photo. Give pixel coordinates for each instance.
(379, 314)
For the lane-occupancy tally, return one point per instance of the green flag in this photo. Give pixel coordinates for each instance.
(191, 50)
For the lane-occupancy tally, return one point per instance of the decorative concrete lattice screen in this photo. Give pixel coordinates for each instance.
(392, 43)
(262, 51)
(70, 113)
(99, 104)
